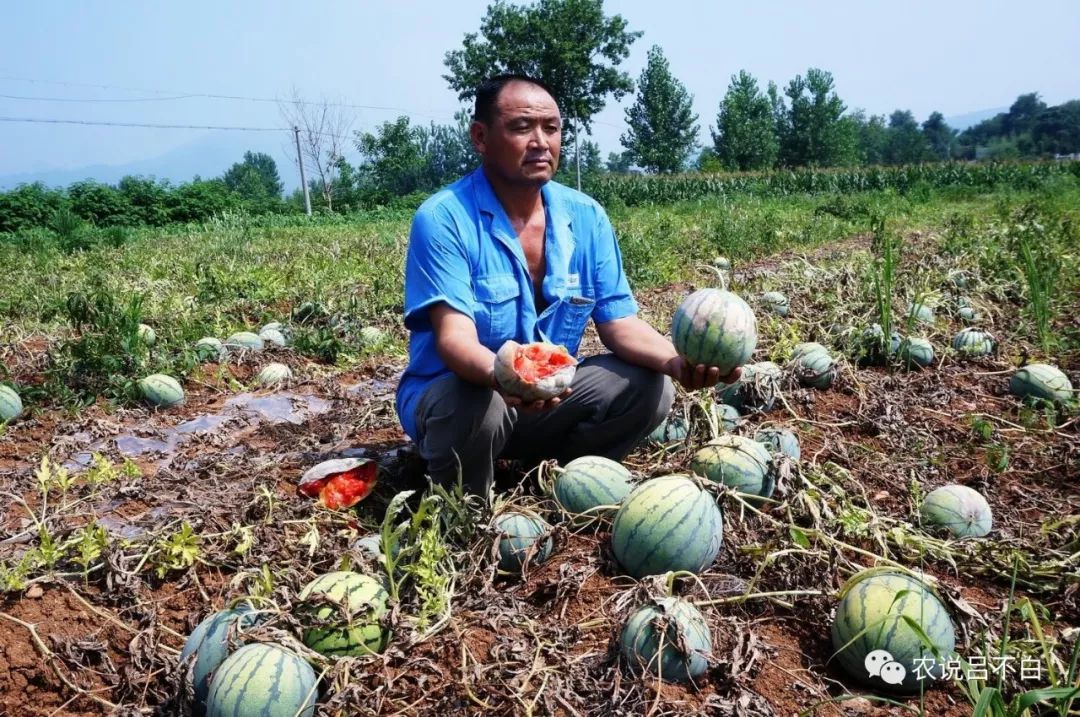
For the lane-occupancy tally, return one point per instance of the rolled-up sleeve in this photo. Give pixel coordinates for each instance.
(613, 297)
(436, 269)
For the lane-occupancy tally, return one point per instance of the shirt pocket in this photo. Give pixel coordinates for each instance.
(564, 321)
(496, 311)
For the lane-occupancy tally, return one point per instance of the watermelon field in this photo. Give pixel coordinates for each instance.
(916, 332)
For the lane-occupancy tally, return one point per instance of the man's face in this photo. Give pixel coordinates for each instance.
(522, 142)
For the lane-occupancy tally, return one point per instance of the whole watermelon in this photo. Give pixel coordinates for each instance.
(11, 406)
(779, 440)
(870, 617)
(671, 430)
(263, 680)
(588, 482)
(872, 347)
(274, 373)
(960, 510)
(245, 340)
(342, 614)
(1041, 382)
(727, 417)
(814, 368)
(524, 539)
(737, 462)
(715, 328)
(211, 349)
(916, 352)
(667, 523)
(668, 638)
(757, 388)
(921, 313)
(161, 391)
(776, 302)
(207, 647)
(972, 343)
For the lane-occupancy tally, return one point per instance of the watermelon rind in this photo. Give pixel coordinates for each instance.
(524, 540)
(972, 343)
(869, 617)
(161, 391)
(589, 482)
(274, 373)
(352, 626)
(211, 349)
(245, 340)
(263, 680)
(1041, 382)
(207, 647)
(961, 511)
(273, 336)
(756, 389)
(672, 429)
(737, 462)
(11, 406)
(667, 524)
(776, 302)
(779, 441)
(668, 638)
(713, 327)
(915, 352)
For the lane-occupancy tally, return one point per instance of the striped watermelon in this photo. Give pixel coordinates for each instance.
(715, 328)
(871, 345)
(667, 523)
(274, 326)
(1041, 382)
(263, 680)
(245, 340)
(208, 646)
(972, 343)
(756, 390)
(869, 617)
(11, 406)
(349, 623)
(161, 391)
(727, 417)
(776, 302)
(722, 263)
(274, 373)
(968, 314)
(211, 349)
(922, 313)
(737, 462)
(808, 347)
(147, 335)
(668, 638)
(372, 336)
(915, 352)
(779, 440)
(524, 539)
(589, 482)
(273, 336)
(960, 510)
(671, 430)
(814, 368)
(959, 279)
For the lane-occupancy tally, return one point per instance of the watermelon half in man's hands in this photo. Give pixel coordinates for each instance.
(534, 372)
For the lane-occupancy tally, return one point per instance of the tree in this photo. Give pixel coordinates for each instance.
(590, 162)
(1056, 130)
(619, 162)
(745, 136)
(393, 158)
(813, 134)
(324, 128)
(906, 144)
(569, 44)
(448, 151)
(255, 180)
(661, 125)
(872, 134)
(1023, 113)
(939, 136)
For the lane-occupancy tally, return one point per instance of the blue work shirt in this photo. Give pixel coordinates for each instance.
(464, 252)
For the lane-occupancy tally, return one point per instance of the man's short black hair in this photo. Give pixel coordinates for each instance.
(487, 94)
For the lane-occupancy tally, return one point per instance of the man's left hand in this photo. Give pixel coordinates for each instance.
(697, 377)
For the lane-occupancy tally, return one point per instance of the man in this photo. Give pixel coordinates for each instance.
(505, 253)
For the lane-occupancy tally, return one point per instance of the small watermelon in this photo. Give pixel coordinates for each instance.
(776, 302)
(274, 373)
(208, 646)
(273, 326)
(351, 622)
(972, 343)
(665, 524)
(872, 348)
(1041, 382)
(161, 391)
(372, 336)
(722, 263)
(273, 337)
(727, 417)
(524, 539)
(589, 482)
(534, 372)
(814, 368)
(779, 440)
(147, 335)
(713, 327)
(672, 429)
(921, 313)
(915, 352)
(959, 279)
(11, 406)
(968, 314)
(211, 349)
(245, 340)
(806, 348)
(757, 388)
(737, 462)
(668, 638)
(870, 617)
(263, 680)
(958, 509)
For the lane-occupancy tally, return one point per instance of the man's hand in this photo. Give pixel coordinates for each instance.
(518, 403)
(697, 377)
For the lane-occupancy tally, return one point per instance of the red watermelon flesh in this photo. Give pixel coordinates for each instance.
(342, 490)
(536, 371)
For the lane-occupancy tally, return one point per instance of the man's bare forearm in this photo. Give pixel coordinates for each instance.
(459, 346)
(635, 341)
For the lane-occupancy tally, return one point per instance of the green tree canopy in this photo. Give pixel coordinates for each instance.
(619, 162)
(813, 133)
(906, 144)
(569, 44)
(746, 133)
(661, 124)
(939, 136)
(255, 179)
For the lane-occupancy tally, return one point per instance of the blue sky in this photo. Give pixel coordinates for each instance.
(955, 57)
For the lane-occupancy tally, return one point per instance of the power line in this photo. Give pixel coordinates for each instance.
(74, 99)
(42, 120)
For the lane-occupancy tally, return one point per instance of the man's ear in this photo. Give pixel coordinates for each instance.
(478, 133)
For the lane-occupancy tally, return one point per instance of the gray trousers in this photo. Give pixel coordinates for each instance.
(613, 406)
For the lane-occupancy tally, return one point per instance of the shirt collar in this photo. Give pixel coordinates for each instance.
(487, 202)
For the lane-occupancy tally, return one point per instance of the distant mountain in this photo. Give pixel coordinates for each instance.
(962, 122)
(208, 156)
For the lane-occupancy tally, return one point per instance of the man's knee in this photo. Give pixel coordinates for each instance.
(464, 412)
(644, 392)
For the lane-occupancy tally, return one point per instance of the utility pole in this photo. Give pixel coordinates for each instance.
(577, 155)
(303, 179)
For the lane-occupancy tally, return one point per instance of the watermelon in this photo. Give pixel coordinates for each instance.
(524, 539)
(737, 462)
(349, 625)
(370, 545)
(959, 279)
(667, 523)
(211, 349)
(372, 336)
(274, 326)
(972, 343)
(208, 646)
(534, 372)
(722, 263)
(11, 406)
(263, 680)
(671, 430)
(273, 336)
(589, 482)
(756, 389)
(960, 510)
(668, 638)
(872, 348)
(869, 617)
(968, 315)
(340, 483)
(1040, 382)
(727, 417)
(814, 367)
(309, 312)
(715, 328)
(274, 373)
(779, 440)
(776, 302)
(806, 348)
(147, 335)
(915, 352)
(161, 391)
(921, 313)
(245, 340)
